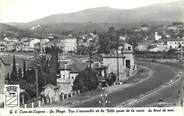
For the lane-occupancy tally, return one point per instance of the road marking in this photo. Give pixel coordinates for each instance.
(130, 102)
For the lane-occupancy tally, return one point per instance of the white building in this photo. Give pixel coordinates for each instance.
(11, 46)
(170, 43)
(125, 61)
(51, 93)
(68, 75)
(175, 43)
(34, 42)
(43, 44)
(28, 44)
(69, 44)
(25, 45)
(10, 39)
(157, 36)
(166, 44)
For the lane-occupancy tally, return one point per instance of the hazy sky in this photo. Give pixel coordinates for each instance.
(28, 10)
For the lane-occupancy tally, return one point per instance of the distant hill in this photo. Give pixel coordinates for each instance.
(100, 19)
(12, 31)
(6, 27)
(76, 27)
(165, 12)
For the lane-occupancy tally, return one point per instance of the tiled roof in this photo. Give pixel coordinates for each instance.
(75, 66)
(51, 86)
(113, 55)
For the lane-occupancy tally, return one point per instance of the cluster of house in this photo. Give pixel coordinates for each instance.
(122, 65)
(165, 45)
(23, 44)
(87, 39)
(160, 45)
(140, 28)
(67, 43)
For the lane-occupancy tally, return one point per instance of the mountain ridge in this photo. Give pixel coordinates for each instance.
(159, 12)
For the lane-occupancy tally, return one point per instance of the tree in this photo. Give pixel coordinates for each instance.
(86, 80)
(112, 33)
(111, 79)
(54, 65)
(81, 50)
(24, 69)
(104, 42)
(109, 40)
(122, 31)
(172, 51)
(43, 69)
(14, 70)
(7, 78)
(30, 75)
(19, 74)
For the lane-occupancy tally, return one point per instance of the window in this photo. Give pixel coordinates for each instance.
(129, 48)
(128, 64)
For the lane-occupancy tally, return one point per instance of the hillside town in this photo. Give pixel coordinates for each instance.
(53, 67)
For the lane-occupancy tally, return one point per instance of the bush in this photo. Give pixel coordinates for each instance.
(111, 79)
(86, 81)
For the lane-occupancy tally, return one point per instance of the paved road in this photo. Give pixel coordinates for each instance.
(161, 74)
(169, 94)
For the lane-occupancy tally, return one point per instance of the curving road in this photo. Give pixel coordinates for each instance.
(168, 94)
(161, 74)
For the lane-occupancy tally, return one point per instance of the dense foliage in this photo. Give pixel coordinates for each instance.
(26, 78)
(86, 81)
(111, 79)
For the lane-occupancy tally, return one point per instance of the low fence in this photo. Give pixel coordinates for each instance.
(41, 102)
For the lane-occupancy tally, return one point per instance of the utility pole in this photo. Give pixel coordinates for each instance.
(90, 55)
(36, 84)
(117, 52)
(182, 76)
(36, 74)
